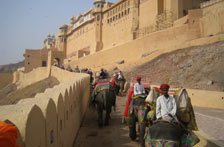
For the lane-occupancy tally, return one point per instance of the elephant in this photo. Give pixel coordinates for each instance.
(164, 134)
(119, 86)
(137, 109)
(104, 98)
(170, 134)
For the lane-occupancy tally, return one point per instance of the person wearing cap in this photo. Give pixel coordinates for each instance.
(138, 87)
(166, 105)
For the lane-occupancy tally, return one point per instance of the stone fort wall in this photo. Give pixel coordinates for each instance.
(108, 25)
(51, 118)
(188, 31)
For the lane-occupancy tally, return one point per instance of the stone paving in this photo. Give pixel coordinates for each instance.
(211, 123)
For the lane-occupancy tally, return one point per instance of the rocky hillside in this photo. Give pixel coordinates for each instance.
(9, 68)
(200, 67)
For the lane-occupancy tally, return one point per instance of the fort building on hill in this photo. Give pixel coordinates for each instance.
(105, 34)
(107, 25)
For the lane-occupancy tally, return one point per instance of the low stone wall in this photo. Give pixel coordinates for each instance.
(62, 75)
(52, 118)
(24, 79)
(205, 98)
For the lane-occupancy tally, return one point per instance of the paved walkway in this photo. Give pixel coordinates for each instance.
(211, 124)
(116, 134)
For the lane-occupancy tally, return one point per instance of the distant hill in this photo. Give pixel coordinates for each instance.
(5, 79)
(9, 68)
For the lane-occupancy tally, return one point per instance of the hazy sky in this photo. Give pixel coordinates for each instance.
(24, 24)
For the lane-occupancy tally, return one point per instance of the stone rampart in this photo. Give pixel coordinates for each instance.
(24, 79)
(51, 118)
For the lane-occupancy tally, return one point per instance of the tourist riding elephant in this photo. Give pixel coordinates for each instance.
(104, 98)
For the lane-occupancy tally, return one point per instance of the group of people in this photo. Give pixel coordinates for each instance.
(76, 69)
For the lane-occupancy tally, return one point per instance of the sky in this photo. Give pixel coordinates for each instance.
(24, 24)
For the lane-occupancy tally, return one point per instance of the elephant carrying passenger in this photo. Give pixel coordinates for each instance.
(104, 98)
(136, 115)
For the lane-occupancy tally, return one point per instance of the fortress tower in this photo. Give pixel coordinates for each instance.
(97, 12)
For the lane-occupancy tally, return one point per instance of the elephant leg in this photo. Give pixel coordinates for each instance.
(106, 123)
(142, 134)
(117, 89)
(100, 115)
(132, 126)
(121, 88)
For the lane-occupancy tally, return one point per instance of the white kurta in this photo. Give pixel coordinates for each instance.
(139, 89)
(166, 106)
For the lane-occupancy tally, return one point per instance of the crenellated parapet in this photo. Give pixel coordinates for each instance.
(51, 118)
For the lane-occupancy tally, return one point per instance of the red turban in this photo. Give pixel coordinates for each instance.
(164, 86)
(138, 78)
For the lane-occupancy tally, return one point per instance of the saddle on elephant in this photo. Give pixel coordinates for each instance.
(170, 134)
(101, 85)
(129, 95)
(138, 106)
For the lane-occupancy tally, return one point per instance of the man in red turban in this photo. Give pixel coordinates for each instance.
(166, 105)
(138, 87)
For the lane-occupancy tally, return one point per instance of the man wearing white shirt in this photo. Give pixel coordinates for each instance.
(138, 87)
(166, 105)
